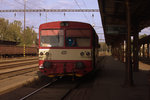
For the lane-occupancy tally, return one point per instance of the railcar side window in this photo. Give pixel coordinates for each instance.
(52, 38)
(78, 38)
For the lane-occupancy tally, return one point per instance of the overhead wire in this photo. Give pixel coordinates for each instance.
(4, 15)
(83, 12)
(41, 8)
(22, 4)
(47, 12)
(1, 16)
(7, 2)
(84, 3)
(26, 6)
(93, 22)
(31, 14)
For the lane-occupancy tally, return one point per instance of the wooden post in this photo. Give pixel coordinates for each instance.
(143, 50)
(135, 51)
(147, 50)
(129, 74)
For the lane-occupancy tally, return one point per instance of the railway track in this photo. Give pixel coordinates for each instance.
(16, 72)
(12, 65)
(50, 85)
(17, 60)
(39, 89)
(17, 67)
(70, 90)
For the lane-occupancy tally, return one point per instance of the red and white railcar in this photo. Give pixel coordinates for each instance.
(67, 48)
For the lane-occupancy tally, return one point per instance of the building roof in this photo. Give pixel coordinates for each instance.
(4, 42)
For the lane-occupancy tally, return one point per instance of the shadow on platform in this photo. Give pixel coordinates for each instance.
(108, 85)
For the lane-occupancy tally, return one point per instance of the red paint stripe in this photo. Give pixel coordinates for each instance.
(66, 60)
(65, 47)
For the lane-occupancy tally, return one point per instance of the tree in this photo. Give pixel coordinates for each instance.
(141, 36)
(29, 37)
(14, 32)
(3, 28)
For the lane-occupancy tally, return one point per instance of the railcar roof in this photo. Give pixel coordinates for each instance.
(71, 23)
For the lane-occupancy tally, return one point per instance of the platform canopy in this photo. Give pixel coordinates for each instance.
(114, 20)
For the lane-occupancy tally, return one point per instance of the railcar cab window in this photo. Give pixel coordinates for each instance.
(52, 38)
(78, 38)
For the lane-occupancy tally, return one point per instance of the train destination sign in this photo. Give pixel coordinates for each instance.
(115, 29)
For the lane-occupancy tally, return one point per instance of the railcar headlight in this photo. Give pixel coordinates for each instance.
(79, 65)
(47, 53)
(41, 53)
(88, 53)
(41, 66)
(82, 53)
(47, 64)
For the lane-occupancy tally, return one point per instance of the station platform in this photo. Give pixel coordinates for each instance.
(109, 83)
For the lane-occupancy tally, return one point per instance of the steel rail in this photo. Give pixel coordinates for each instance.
(70, 90)
(16, 60)
(49, 84)
(16, 72)
(17, 65)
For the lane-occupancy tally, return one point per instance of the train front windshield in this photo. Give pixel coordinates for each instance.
(78, 38)
(73, 38)
(52, 38)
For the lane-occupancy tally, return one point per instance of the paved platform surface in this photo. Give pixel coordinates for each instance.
(109, 84)
(12, 83)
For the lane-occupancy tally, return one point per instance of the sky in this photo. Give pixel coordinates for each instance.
(34, 19)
